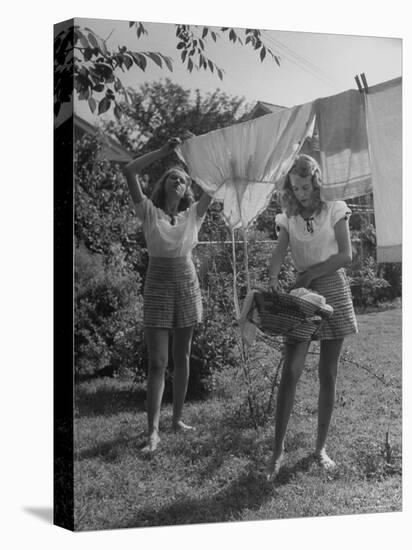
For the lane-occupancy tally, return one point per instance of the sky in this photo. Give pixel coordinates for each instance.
(312, 65)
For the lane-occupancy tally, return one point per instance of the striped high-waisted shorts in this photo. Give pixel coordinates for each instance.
(171, 295)
(336, 290)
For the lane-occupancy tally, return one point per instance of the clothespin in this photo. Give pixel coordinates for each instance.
(358, 83)
(365, 84)
(365, 88)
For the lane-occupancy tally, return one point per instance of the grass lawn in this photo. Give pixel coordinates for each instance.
(216, 474)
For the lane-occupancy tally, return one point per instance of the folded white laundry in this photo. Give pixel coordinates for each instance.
(300, 292)
(311, 296)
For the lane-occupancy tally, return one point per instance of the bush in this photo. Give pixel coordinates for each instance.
(214, 340)
(371, 283)
(364, 240)
(259, 255)
(392, 272)
(366, 286)
(108, 313)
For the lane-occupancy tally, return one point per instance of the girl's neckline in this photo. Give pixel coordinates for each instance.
(172, 218)
(171, 214)
(312, 214)
(307, 216)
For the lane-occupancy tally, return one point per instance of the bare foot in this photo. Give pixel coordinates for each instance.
(152, 443)
(273, 468)
(180, 426)
(324, 460)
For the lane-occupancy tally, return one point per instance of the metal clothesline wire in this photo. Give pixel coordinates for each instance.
(297, 56)
(300, 61)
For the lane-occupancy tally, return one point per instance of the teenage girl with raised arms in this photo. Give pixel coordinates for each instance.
(172, 301)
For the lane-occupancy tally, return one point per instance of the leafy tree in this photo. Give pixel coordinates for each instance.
(160, 110)
(104, 215)
(82, 59)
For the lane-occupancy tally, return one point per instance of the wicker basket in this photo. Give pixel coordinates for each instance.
(281, 314)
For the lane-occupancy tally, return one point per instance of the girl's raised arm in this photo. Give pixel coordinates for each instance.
(203, 204)
(136, 166)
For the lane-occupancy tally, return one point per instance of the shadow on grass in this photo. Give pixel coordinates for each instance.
(103, 397)
(113, 450)
(288, 472)
(249, 491)
(231, 433)
(109, 400)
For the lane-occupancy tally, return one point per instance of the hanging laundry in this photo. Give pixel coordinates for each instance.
(241, 164)
(384, 124)
(343, 142)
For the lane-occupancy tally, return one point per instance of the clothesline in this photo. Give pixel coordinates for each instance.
(237, 242)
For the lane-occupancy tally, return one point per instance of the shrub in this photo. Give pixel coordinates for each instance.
(108, 313)
(371, 283)
(392, 272)
(366, 286)
(214, 340)
(259, 254)
(364, 240)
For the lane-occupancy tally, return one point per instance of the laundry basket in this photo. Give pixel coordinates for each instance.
(281, 314)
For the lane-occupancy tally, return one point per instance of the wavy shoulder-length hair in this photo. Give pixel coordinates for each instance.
(303, 166)
(159, 195)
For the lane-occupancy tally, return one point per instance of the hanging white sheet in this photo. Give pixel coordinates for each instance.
(240, 165)
(360, 140)
(343, 141)
(384, 123)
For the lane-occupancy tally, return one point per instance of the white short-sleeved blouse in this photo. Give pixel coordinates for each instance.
(314, 241)
(163, 238)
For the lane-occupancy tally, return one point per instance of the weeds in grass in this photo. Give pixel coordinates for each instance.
(374, 462)
(261, 366)
(347, 357)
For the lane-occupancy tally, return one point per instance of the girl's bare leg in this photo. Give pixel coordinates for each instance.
(292, 369)
(182, 341)
(328, 366)
(157, 340)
